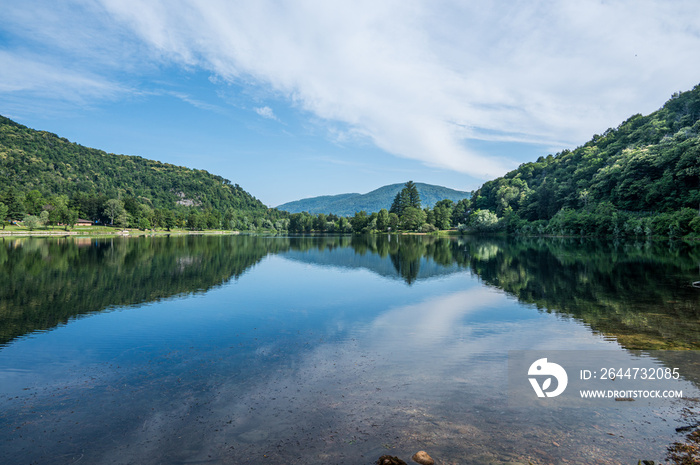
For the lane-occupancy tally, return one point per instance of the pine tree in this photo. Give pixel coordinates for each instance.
(400, 203)
(413, 195)
(15, 209)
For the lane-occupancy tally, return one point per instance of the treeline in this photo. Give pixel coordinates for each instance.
(35, 211)
(405, 214)
(639, 179)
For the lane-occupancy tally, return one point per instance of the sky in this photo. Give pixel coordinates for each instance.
(294, 99)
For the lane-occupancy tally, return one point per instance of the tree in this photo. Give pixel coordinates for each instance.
(44, 218)
(443, 214)
(122, 220)
(68, 217)
(359, 221)
(213, 219)
(169, 219)
(196, 220)
(460, 212)
(406, 197)
(32, 222)
(319, 223)
(383, 220)
(113, 209)
(401, 201)
(413, 218)
(393, 221)
(33, 202)
(413, 196)
(344, 225)
(484, 220)
(3, 214)
(15, 209)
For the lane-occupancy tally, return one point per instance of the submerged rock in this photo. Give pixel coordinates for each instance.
(423, 458)
(390, 460)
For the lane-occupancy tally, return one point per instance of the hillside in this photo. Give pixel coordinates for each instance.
(647, 165)
(348, 204)
(40, 161)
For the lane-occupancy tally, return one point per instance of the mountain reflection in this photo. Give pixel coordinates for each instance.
(638, 293)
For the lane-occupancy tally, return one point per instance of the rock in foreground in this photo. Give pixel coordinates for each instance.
(423, 458)
(390, 460)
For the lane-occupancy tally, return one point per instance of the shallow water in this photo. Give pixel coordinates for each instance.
(328, 350)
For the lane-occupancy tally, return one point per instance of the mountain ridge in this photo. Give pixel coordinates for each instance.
(373, 201)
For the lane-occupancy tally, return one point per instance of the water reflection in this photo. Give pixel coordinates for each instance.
(326, 350)
(641, 294)
(637, 292)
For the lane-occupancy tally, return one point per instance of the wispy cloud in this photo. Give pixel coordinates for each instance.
(266, 112)
(193, 101)
(50, 80)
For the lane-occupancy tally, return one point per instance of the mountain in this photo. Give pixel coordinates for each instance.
(52, 165)
(348, 204)
(647, 165)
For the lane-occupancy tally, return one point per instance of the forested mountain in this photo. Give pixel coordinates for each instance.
(42, 171)
(348, 204)
(317, 204)
(647, 165)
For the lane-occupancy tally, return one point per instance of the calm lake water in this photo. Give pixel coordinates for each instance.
(299, 350)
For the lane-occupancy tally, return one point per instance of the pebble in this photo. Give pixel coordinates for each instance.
(423, 458)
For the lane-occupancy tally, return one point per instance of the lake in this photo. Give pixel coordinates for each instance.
(319, 350)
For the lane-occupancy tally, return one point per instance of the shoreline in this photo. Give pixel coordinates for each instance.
(122, 233)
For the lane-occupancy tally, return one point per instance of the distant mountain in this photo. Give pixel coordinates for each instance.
(348, 204)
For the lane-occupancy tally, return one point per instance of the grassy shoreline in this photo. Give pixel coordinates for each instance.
(14, 231)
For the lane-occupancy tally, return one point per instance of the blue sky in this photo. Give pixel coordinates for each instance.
(303, 98)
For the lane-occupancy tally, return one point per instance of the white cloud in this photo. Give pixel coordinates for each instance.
(422, 79)
(266, 112)
(34, 75)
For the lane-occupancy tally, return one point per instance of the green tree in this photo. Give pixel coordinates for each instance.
(144, 224)
(196, 220)
(405, 198)
(113, 209)
(168, 219)
(320, 223)
(213, 219)
(413, 218)
(344, 225)
(383, 220)
(122, 220)
(393, 221)
(32, 222)
(68, 217)
(443, 214)
(359, 221)
(484, 221)
(3, 214)
(15, 208)
(44, 218)
(401, 202)
(413, 195)
(34, 202)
